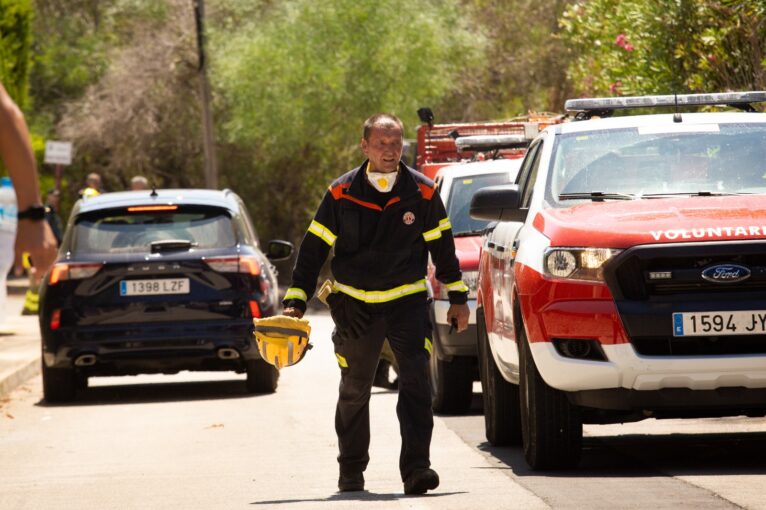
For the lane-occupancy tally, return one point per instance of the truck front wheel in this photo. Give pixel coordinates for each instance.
(502, 421)
(551, 427)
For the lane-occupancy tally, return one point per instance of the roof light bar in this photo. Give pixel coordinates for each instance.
(620, 103)
(490, 142)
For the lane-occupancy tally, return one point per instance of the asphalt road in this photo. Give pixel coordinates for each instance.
(199, 441)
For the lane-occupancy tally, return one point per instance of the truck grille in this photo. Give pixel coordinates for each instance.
(685, 266)
(652, 282)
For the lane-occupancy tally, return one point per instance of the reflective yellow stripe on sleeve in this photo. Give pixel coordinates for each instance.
(428, 345)
(341, 361)
(458, 286)
(381, 296)
(436, 233)
(322, 232)
(295, 293)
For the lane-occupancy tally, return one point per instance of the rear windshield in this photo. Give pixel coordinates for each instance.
(716, 158)
(120, 231)
(459, 201)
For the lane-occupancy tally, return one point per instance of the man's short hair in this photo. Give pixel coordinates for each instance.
(383, 120)
(139, 178)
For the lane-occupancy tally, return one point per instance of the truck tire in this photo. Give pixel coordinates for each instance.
(261, 376)
(502, 421)
(451, 382)
(59, 384)
(551, 426)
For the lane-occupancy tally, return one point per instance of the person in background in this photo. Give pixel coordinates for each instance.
(33, 234)
(52, 204)
(382, 219)
(138, 183)
(92, 186)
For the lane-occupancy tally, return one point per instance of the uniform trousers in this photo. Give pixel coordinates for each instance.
(405, 323)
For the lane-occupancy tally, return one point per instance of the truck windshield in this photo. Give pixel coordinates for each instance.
(655, 162)
(459, 201)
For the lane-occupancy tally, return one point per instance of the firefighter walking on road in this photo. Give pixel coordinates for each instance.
(381, 219)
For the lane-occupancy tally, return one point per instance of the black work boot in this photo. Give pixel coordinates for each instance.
(420, 481)
(348, 482)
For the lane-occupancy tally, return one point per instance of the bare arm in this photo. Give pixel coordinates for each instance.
(34, 237)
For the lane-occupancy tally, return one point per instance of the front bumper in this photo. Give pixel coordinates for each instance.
(627, 370)
(455, 344)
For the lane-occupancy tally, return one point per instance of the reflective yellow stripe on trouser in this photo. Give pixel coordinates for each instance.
(428, 345)
(381, 296)
(341, 361)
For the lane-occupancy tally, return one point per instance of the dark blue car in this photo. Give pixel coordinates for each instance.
(157, 282)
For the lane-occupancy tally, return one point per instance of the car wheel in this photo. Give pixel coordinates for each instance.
(59, 384)
(502, 420)
(551, 426)
(261, 376)
(451, 382)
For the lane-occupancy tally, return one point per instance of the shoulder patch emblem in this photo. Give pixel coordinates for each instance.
(408, 218)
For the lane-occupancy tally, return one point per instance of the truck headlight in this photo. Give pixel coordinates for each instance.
(577, 263)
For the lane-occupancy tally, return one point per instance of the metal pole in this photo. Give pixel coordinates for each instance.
(208, 142)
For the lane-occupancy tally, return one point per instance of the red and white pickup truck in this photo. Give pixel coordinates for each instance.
(462, 158)
(625, 276)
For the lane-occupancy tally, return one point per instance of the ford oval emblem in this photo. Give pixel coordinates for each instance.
(726, 273)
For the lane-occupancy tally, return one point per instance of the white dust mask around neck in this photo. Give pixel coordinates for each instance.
(383, 182)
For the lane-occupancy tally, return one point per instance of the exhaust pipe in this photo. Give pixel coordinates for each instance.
(228, 353)
(85, 360)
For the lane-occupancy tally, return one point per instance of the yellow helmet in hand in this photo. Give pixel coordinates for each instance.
(282, 340)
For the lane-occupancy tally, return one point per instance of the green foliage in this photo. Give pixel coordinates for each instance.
(665, 46)
(524, 67)
(298, 83)
(15, 40)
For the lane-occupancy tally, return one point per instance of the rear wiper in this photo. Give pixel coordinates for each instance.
(170, 245)
(598, 196)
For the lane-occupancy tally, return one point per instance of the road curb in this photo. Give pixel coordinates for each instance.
(13, 378)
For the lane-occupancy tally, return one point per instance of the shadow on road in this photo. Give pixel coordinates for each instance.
(158, 392)
(356, 496)
(640, 455)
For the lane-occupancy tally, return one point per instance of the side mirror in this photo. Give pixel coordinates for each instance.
(498, 203)
(279, 250)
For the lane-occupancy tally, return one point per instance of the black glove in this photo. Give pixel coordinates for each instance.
(350, 316)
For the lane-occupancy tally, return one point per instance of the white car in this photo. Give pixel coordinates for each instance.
(453, 360)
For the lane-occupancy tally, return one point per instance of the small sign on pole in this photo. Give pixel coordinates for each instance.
(58, 153)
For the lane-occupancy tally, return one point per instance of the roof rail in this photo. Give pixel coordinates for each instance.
(605, 106)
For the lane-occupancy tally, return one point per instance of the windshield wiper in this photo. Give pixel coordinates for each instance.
(598, 196)
(468, 233)
(695, 194)
(170, 245)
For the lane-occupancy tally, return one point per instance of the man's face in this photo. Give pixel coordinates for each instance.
(383, 148)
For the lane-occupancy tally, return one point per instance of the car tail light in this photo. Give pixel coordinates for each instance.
(255, 309)
(67, 271)
(56, 319)
(242, 264)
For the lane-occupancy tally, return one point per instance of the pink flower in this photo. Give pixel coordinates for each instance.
(614, 87)
(628, 47)
(711, 58)
(620, 40)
